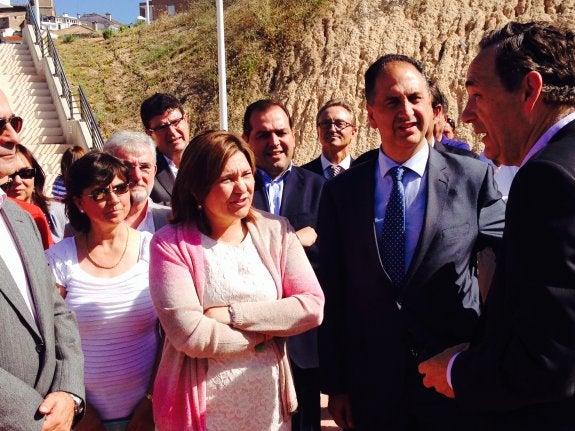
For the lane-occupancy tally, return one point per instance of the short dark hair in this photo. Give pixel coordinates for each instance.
(437, 97)
(538, 46)
(262, 106)
(336, 102)
(202, 164)
(96, 167)
(373, 72)
(157, 105)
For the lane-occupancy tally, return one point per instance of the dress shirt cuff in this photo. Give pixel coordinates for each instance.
(448, 372)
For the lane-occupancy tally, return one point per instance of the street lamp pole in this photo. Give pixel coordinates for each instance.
(222, 97)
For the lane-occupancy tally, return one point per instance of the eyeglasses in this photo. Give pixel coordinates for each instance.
(101, 194)
(338, 124)
(15, 122)
(24, 173)
(164, 127)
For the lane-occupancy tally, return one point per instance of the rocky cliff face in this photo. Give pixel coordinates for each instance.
(337, 50)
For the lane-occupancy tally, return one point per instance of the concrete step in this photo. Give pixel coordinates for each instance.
(12, 69)
(7, 80)
(26, 99)
(42, 123)
(30, 140)
(24, 86)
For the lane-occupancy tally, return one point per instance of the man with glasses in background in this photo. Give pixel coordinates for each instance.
(41, 362)
(165, 121)
(336, 129)
(136, 150)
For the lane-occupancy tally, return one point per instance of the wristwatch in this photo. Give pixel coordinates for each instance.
(78, 404)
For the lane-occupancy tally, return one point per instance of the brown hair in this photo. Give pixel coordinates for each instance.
(38, 197)
(539, 46)
(203, 161)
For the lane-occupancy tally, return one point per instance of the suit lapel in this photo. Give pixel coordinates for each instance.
(437, 185)
(293, 185)
(17, 226)
(260, 200)
(164, 175)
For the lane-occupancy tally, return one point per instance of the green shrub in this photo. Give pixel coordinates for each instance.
(108, 33)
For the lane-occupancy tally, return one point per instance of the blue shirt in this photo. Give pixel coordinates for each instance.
(415, 183)
(274, 188)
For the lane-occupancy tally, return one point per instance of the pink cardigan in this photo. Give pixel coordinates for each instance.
(177, 284)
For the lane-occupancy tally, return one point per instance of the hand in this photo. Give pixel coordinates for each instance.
(434, 370)
(220, 313)
(340, 410)
(91, 420)
(143, 417)
(307, 236)
(58, 411)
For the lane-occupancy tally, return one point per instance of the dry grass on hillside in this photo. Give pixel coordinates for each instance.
(178, 54)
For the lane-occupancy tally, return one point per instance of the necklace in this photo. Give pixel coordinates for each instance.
(119, 260)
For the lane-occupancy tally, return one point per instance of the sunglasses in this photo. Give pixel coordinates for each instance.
(15, 122)
(24, 173)
(164, 127)
(101, 194)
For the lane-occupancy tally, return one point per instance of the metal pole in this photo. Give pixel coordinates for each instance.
(37, 13)
(147, 11)
(223, 97)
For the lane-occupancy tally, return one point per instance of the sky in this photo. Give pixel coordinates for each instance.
(125, 11)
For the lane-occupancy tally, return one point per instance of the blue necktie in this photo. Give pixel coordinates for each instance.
(393, 238)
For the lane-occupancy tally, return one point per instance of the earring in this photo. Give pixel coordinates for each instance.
(200, 207)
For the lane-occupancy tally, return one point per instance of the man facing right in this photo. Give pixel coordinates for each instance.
(398, 237)
(519, 372)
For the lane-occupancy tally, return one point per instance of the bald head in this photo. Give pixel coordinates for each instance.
(8, 137)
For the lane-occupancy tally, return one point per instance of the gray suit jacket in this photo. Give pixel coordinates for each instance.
(36, 358)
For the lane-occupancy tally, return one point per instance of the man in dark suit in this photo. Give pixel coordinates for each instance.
(397, 261)
(284, 189)
(41, 362)
(336, 129)
(166, 122)
(519, 371)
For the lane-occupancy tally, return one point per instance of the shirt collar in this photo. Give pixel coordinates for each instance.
(3, 198)
(267, 179)
(546, 137)
(417, 163)
(345, 163)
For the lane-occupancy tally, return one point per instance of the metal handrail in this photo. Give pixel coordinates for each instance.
(59, 72)
(37, 32)
(86, 113)
(88, 116)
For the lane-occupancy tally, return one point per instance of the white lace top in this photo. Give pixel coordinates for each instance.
(242, 390)
(117, 323)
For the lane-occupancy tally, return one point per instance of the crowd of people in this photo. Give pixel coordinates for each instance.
(212, 284)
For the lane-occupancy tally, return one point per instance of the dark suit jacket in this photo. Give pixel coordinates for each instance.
(164, 181)
(300, 205)
(520, 370)
(373, 336)
(35, 358)
(316, 167)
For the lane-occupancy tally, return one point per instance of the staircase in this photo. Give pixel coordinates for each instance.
(30, 98)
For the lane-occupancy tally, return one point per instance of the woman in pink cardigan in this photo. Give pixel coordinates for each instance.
(229, 284)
